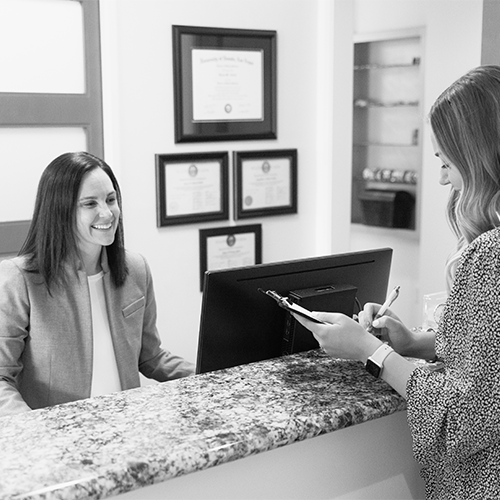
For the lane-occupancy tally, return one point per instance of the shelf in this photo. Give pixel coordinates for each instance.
(362, 229)
(370, 103)
(390, 186)
(386, 149)
(367, 67)
(384, 145)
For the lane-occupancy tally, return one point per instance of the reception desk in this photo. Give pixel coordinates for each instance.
(300, 426)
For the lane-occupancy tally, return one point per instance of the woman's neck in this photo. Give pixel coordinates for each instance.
(91, 262)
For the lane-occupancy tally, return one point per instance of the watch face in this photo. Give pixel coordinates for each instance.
(372, 368)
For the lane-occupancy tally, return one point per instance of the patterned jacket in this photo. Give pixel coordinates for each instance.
(454, 414)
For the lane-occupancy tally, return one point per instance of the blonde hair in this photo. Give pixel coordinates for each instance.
(452, 263)
(465, 120)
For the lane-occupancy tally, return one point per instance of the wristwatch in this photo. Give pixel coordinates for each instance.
(375, 362)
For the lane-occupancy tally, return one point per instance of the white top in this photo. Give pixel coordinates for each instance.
(105, 377)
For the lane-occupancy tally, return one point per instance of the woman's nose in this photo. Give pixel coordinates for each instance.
(104, 212)
(443, 179)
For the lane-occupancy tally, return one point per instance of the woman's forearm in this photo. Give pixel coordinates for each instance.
(397, 371)
(423, 344)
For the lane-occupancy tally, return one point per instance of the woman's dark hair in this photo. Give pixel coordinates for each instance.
(51, 241)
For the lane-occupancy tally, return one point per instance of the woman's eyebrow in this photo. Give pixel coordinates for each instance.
(93, 197)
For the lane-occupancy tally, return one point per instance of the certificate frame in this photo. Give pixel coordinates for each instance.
(281, 196)
(258, 91)
(207, 254)
(211, 188)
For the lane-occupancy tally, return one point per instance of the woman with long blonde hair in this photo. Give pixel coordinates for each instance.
(453, 412)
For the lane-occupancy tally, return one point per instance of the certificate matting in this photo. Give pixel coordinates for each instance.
(265, 182)
(225, 252)
(192, 187)
(227, 85)
(229, 247)
(224, 84)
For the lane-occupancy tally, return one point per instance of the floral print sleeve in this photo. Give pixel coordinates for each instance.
(454, 414)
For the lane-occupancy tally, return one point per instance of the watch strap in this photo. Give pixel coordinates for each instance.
(375, 362)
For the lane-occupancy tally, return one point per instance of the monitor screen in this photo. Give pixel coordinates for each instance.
(240, 325)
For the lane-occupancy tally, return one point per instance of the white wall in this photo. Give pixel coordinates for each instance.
(334, 81)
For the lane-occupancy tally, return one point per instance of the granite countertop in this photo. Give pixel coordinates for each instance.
(100, 447)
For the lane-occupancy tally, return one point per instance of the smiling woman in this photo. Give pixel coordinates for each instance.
(97, 217)
(77, 311)
(450, 174)
(75, 187)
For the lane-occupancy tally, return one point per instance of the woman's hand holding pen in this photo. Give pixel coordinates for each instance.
(345, 338)
(392, 330)
(342, 337)
(370, 319)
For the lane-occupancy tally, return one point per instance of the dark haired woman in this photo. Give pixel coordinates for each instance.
(77, 311)
(453, 413)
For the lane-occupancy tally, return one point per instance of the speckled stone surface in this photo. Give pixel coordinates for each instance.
(96, 448)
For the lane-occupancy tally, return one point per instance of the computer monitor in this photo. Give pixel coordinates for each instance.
(240, 325)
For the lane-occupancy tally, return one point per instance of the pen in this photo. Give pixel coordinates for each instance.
(388, 303)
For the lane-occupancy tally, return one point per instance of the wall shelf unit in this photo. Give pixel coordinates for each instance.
(387, 129)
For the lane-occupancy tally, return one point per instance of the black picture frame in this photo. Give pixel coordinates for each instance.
(250, 189)
(201, 194)
(254, 108)
(238, 258)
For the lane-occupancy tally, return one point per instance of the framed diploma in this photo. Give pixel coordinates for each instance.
(192, 187)
(228, 247)
(224, 84)
(265, 183)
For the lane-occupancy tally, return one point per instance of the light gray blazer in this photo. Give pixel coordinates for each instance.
(46, 341)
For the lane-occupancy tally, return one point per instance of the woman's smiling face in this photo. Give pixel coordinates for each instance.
(449, 172)
(97, 212)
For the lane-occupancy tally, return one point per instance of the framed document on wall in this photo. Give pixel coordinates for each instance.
(265, 183)
(224, 84)
(228, 247)
(192, 187)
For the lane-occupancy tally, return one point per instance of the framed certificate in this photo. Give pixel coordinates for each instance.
(192, 187)
(228, 247)
(224, 84)
(265, 183)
